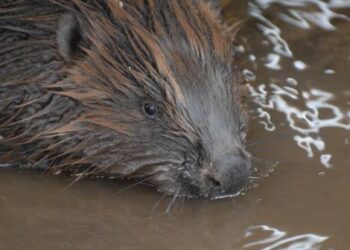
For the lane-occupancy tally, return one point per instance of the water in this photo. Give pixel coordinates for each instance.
(300, 55)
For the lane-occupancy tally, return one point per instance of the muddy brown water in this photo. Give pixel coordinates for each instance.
(300, 54)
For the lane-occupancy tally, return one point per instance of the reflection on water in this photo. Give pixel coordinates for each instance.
(307, 121)
(277, 239)
(300, 15)
(271, 32)
(303, 106)
(300, 58)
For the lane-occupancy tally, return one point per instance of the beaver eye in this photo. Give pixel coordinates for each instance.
(150, 109)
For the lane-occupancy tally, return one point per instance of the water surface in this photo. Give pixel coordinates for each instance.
(300, 102)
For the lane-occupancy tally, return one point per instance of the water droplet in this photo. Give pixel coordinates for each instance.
(300, 65)
(325, 160)
(329, 71)
(240, 49)
(292, 81)
(321, 173)
(249, 76)
(272, 61)
(252, 58)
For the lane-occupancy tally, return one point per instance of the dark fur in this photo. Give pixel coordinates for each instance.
(74, 76)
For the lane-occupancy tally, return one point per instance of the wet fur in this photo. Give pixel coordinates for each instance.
(72, 99)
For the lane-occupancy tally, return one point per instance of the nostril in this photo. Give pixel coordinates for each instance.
(231, 173)
(214, 182)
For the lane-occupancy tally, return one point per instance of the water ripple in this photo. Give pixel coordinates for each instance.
(278, 239)
(303, 18)
(307, 121)
(303, 107)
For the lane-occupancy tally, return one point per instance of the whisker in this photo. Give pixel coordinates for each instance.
(157, 203)
(153, 158)
(78, 178)
(173, 200)
(268, 140)
(133, 185)
(259, 160)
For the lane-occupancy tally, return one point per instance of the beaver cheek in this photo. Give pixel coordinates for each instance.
(166, 183)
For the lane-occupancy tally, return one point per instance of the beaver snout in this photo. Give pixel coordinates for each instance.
(230, 173)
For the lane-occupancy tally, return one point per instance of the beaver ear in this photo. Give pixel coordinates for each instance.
(69, 36)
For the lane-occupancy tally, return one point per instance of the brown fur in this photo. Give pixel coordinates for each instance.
(76, 112)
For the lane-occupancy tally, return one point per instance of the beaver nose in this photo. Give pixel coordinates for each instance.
(231, 173)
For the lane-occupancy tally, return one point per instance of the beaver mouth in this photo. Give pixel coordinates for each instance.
(190, 191)
(223, 178)
(207, 189)
(197, 185)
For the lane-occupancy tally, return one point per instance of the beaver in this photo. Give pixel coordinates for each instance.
(145, 90)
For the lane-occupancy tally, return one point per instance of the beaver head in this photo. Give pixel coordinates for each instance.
(157, 95)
